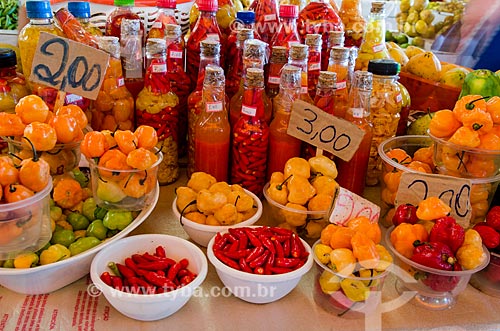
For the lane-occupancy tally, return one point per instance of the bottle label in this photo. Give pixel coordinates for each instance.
(273, 80)
(120, 81)
(399, 97)
(270, 17)
(378, 48)
(175, 54)
(156, 25)
(314, 66)
(71, 98)
(213, 36)
(357, 112)
(341, 85)
(214, 106)
(159, 68)
(304, 89)
(248, 110)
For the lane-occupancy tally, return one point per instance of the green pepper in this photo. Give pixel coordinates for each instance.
(99, 213)
(88, 208)
(80, 177)
(77, 221)
(8, 263)
(64, 237)
(97, 229)
(117, 219)
(55, 212)
(54, 253)
(83, 244)
(111, 233)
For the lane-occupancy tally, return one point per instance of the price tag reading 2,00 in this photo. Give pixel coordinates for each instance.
(335, 135)
(69, 66)
(455, 192)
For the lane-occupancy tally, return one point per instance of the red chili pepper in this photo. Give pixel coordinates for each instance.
(229, 237)
(296, 246)
(234, 246)
(116, 282)
(158, 265)
(237, 254)
(259, 271)
(269, 264)
(255, 253)
(244, 265)
(280, 270)
(160, 251)
(125, 271)
(286, 262)
(279, 249)
(160, 281)
(172, 272)
(219, 241)
(253, 239)
(186, 280)
(267, 244)
(243, 241)
(281, 231)
(224, 259)
(139, 259)
(257, 262)
(106, 278)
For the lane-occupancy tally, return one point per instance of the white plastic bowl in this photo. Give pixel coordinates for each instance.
(202, 233)
(258, 288)
(149, 307)
(51, 277)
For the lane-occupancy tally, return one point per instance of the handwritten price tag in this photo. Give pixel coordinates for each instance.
(69, 66)
(349, 205)
(414, 188)
(335, 135)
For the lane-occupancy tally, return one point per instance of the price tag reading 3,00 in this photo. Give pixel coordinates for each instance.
(69, 66)
(335, 135)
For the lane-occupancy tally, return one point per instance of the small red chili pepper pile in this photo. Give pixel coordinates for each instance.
(148, 273)
(263, 250)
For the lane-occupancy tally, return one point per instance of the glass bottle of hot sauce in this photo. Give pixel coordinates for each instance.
(266, 18)
(210, 54)
(282, 146)
(212, 131)
(339, 63)
(272, 74)
(298, 57)
(287, 32)
(250, 136)
(81, 11)
(335, 38)
(352, 173)
(313, 41)
(166, 15)
(354, 22)
(234, 63)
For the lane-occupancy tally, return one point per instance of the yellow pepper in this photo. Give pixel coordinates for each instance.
(324, 165)
(297, 166)
(385, 258)
(342, 261)
(432, 208)
(471, 254)
(405, 234)
(322, 252)
(300, 190)
(444, 123)
(465, 136)
(25, 260)
(54, 253)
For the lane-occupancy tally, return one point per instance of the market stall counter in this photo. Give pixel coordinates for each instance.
(80, 306)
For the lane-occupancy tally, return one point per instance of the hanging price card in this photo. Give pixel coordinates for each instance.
(69, 66)
(335, 135)
(455, 192)
(348, 205)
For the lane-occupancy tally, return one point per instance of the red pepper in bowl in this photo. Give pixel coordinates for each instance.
(434, 254)
(446, 230)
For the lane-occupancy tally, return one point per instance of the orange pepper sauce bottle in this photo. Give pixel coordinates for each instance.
(166, 15)
(339, 63)
(266, 18)
(250, 136)
(335, 38)
(313, 41)
(212, 131)
(282, 146)
(234, 63)
(354, 22)
(272, 75)
(352, 173)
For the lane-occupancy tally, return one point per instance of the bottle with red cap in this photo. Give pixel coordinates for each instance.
(266, 18)
(287, 32)
(166, 15)
(206, 27)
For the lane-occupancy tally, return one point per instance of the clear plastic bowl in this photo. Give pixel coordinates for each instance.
(488, 279)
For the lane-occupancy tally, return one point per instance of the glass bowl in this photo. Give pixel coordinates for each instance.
(434, 289)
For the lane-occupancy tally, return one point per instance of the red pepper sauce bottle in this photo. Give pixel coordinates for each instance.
(114, 106)
(339, 61)
(254, 56)
(319, 17)
(298, 57)
(212, 131)
(277, 61)
(282, 146)
(166, 15)
(157, 106)
(205, 27)
(179, 80)
(234, 63)
(313, 41)
(210, 54)
(287, 32)
(352, 173)
(335, 38)
(354, 22)
(266, 18)
(250, 136)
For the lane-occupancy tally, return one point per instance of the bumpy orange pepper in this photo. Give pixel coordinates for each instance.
(327, 232)
(392, 179)
(342, 238)
(465, 136)
(493, 107)
(478, 120)
(397, 155)
(365, 250)
(367, 227)
(444, 123)
(405, 234)
(468, 103)
(432, 208)
(419, 166)
(94, 144)
(489, 141)
(425, 154)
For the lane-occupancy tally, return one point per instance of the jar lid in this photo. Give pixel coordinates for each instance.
(166, 4)
(123, 3)
(383, 67)
(79, 9)
(336, 38)
(298, 51)
(244, 34)
(209, 47)
(208, 5)
(278, 54)
(340, 53)
(214, 76)
(172, 30)
(254, 77)
(7, 58)
(38, 9)
(246, 16)
(313, 39)
(289, 11)
(327, 79)
(290, 75)
(156, 46)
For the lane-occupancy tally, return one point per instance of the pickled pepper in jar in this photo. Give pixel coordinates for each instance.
(298, 57)
(266, 18)
(12, 83)
(157, 106)
(114, 106)
(313, 41)
(339, 63)
(225, 15)
(282, 146)
(287, 31)
(354, 22)
(234, 63)
(81, 11)
(212, 132)
(73, 29)
(277, 61)
(335, 38)
(385, 109)
(166, 15)
(250, 136)
(373, 43)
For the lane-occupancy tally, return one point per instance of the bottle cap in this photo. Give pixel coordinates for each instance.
(79, 9)
(383, 67)
(244, 34)
(278, 54)
(255, 50)
(110, 45)
(298, 51)
(246, 16)
(363, 80)
(166, 4)
(291, 76)
(339, 53)
(156, 46)
(214, 76)
(377, 7)
(327, 79)
(38, 9)
(208, 5)
(254, 77)
(313, 40)
(209, 47)
(7, 58)
(336, 38)
(124, 3)
(289, 11)
(172, 30)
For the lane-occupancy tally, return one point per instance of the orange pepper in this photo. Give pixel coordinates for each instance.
(432, 208)
(113, 159)
(454, 162)
(365, 250)
(489, 141)
(388, 196)
(94, 144)
(444, 123)
(493, 107)
(478, 120)
(392, 179)
(468, 103)
(465, 136)
(67, 193)
(397, 155)
(9, 231)
(327, 232)
(405, 234)
(342, 238)
(425, 154)
(367, 227)
(420, 167)
(481, 166)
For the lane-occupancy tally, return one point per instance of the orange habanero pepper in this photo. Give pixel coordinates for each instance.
(405, 234)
